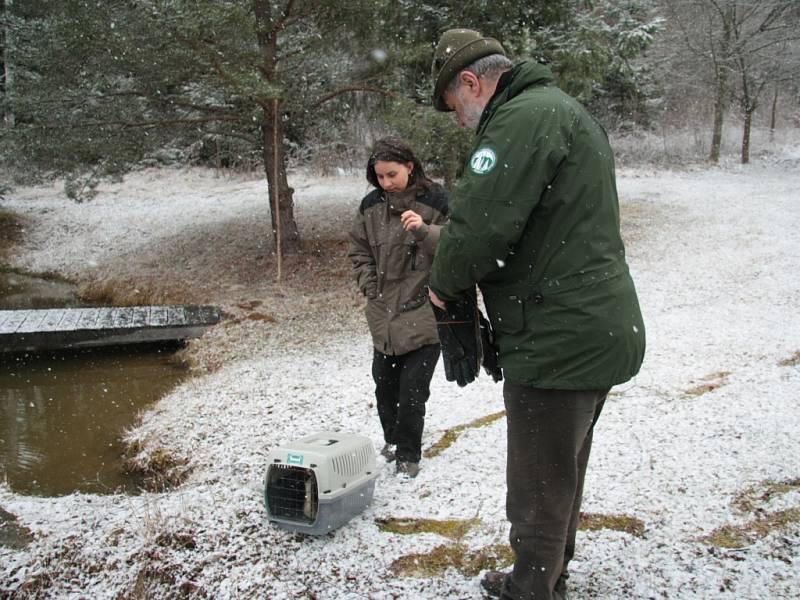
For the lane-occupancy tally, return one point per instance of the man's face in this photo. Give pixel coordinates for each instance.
(465, 104)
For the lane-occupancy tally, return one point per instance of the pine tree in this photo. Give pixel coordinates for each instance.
(108, 84)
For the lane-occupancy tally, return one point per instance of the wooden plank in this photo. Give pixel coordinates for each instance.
(71, 318)
(139, 318)
(51, 329)
(33, 322)
(158, 316)
(202, 315)
(52, 319)
(123, 318)
(106, 318)
(13, 321)
(89, 317)
(177, 316)
(5, 315)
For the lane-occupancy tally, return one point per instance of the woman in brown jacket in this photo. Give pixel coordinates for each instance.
(392, 243)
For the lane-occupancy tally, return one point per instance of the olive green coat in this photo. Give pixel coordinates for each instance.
(392, 266)
(534, 221)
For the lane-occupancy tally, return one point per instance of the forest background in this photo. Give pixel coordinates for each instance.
(90, 90)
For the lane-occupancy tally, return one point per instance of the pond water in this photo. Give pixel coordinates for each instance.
(62, 415)
(25, 291)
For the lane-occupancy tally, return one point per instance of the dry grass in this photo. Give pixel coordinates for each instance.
(740, 536)
(131, 292)
(455, 529)
(707, 384)
(623, 523)
(320, 265)
(764, 523)
(456, 556)
(471, 562)
(12, 534)
(792, 361)
(159, 469)
(747, 500)
(451, 435)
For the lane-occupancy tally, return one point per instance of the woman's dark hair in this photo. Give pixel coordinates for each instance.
(395, 150)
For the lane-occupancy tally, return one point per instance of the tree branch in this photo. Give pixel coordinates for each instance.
(346, 90)
(137, 124)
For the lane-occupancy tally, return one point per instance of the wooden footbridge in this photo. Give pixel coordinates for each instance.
(59, 328)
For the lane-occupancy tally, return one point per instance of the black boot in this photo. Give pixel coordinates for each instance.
(492, 583)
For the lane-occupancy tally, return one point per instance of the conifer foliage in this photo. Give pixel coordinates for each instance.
(95, 88)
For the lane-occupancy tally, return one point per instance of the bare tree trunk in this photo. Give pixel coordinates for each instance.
(773, 115)
(6, 82)
(270, 21)
(290, 236)
(721, 77)
(748, 121)
(720, 104)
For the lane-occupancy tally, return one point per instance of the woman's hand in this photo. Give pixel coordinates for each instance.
(435, 299)
(410, 220)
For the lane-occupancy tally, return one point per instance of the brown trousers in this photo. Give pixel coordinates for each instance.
(549, 440)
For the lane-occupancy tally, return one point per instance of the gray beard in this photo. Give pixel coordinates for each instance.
(472, 112)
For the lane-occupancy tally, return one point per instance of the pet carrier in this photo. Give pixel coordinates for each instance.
(320, 482)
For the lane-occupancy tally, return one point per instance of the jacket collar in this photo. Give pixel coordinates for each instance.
(513, 82)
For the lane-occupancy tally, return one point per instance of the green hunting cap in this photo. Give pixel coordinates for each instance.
(456, 50)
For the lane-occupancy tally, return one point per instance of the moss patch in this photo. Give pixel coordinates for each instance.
(792, 361)
(455, 529)
(747, 500)
(451, 435)
(733, 536)
(471, 562)
(623, 523)
(456, 556)
(763, 523)
(707, 384)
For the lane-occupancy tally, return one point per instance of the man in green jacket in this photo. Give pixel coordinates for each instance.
(534, 222)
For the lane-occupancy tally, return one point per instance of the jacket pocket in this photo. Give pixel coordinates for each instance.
(420, 298)
(506, 314)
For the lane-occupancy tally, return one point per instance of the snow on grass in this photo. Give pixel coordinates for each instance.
(713, 413)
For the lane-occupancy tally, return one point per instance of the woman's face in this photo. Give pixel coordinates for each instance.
(393, 176)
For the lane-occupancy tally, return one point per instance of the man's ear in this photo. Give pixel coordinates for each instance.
(469, 80)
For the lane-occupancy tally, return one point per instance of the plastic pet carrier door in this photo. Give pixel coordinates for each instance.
(320, 482)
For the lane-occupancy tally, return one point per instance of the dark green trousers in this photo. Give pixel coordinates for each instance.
(549, 440)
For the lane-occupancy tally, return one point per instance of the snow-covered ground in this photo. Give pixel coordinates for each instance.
(715, 255)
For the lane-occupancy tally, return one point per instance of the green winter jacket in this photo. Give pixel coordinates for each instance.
(534, 221)
(392, 266)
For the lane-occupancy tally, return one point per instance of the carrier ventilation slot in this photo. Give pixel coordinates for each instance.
(352, 464)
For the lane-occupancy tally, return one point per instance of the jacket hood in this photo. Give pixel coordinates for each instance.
(527, 73)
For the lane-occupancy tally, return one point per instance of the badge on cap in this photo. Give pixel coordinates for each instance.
(483, 161)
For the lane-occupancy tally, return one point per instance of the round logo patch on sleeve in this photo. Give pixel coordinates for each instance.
(483, 161)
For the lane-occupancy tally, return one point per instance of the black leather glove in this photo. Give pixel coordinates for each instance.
(371, 290)
(491, 362)
(460, 336)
